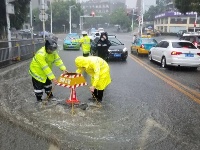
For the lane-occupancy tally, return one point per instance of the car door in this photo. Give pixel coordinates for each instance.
(156, 50)
(162, 50)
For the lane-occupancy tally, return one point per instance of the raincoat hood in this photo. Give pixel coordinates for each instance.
(81, 62)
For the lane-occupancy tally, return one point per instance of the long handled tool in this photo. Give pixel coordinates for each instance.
(96, 100)
(47, 98)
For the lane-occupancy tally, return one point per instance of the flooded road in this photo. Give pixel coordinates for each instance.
(139, 111)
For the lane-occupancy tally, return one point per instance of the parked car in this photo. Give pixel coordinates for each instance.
(71, 42)
(175, 53)
(46, 33)
(180, 33)
(193, 37)
(117, 50)
(27, 33)
(142, 45)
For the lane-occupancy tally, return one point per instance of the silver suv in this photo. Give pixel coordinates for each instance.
(192, 37)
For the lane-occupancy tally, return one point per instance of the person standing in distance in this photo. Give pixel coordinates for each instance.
(99, 71)
(41, 69)
(85, 44)
(102, 46)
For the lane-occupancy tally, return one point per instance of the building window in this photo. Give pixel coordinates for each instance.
(178, 21)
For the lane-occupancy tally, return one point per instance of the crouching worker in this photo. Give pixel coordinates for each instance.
(99, 71)
(41, 69)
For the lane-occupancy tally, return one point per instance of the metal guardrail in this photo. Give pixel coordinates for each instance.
(19, 51)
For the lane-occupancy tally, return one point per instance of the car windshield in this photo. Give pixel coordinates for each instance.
(183, 45)
(149, 41)
(114, 41)
(71, 37)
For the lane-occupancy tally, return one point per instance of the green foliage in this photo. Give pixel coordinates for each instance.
(60, 16)
(187, 6)
(154, 10)
(119, 16)
(21, 10)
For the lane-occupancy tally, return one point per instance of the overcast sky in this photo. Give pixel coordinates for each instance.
(147, 3)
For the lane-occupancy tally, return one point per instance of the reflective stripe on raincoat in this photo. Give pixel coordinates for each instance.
(85, 44)
(97, 68)
(42, 63)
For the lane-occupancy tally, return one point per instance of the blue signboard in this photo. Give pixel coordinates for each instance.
(176, 14)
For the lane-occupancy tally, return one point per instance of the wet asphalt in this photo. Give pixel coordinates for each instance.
(139, 111)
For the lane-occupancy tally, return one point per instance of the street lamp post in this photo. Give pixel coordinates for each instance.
(70, 18)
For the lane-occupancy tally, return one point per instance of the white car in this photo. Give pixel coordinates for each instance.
(93, 35)
(175, 53)
(100, 30)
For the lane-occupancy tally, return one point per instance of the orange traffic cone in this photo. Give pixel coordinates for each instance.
(72, 99)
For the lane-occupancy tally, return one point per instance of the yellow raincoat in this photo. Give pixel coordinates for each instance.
(97, 68)
(85, 44)
(42, 63)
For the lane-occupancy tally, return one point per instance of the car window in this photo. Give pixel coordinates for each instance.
(183, 45)
(149, 41)
(165, 44)
(160, 44)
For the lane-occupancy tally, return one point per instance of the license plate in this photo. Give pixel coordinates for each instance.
(71, 46)
(189, 55)
(117, 55)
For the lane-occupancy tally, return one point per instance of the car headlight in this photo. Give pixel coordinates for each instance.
(109, 50)
(125, 49)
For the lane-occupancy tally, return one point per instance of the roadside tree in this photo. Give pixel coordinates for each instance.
(187, 6)
(119, 17)
(16, 20)
(60, 16)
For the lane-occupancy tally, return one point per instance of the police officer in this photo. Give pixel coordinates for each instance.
(102, 46)
(85, 44)
(41, 69)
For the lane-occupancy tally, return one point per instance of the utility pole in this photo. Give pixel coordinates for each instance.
(142, 9)
(70, 18)
(31, 19)
(8, 26)
(132, 20)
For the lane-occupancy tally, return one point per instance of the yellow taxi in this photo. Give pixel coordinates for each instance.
(143, 44)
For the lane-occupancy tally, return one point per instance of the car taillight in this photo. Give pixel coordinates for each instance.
(175, 53)
(195, 44)
(198, 54)
(142, 46)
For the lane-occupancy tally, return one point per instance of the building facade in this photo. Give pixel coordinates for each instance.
(173, 21)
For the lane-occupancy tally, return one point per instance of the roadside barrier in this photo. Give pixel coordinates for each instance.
(20, 50)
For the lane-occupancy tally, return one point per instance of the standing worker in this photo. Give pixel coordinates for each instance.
(99, 71)
(85, 44)
(102, 46)
(41, 69)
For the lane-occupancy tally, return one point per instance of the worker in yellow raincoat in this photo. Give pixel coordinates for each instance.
(99, 71)
(85, 44)
(41, 69)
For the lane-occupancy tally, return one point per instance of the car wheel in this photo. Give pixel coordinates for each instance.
(150, 57)
(163, 62)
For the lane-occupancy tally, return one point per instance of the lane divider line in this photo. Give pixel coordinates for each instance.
(194, 95)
